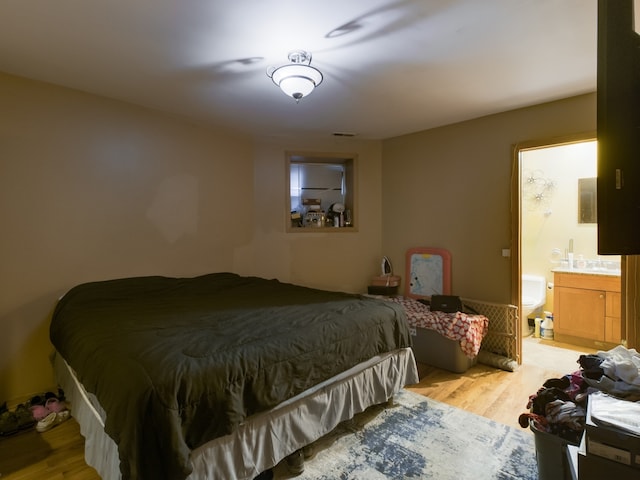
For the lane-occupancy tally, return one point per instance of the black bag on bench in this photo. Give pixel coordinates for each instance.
(446, 303)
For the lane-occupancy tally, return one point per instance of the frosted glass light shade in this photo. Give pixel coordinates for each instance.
(297, 81)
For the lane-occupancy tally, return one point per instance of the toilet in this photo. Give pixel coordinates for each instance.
(534, 294)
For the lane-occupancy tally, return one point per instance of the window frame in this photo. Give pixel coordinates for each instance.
(349, 162)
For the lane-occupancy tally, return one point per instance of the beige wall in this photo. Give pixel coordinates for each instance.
(92, 188)
(450, 187)
(343, 260)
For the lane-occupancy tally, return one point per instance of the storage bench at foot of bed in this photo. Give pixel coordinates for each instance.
(434, 349)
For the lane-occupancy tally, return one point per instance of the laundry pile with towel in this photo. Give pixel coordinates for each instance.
(616, 372)
(559, 407)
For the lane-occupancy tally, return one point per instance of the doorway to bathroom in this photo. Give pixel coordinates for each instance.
(557, 232)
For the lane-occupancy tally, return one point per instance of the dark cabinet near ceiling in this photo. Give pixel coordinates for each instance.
(618, 124)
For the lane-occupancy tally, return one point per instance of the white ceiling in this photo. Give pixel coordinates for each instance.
(390, 67)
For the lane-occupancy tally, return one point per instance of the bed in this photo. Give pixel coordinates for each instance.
(219, 376)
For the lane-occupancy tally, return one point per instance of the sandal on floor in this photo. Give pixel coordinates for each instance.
(52, 420)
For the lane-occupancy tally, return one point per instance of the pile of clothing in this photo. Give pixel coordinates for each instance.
(616, 372)
(559, 406)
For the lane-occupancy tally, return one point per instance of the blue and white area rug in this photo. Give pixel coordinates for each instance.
(420, 438)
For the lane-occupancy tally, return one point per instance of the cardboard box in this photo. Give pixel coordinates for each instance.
(613, 444)
(593, 467)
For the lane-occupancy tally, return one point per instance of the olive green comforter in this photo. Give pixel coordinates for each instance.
(176, 362)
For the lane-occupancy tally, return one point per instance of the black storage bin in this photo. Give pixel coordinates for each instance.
(551, 455)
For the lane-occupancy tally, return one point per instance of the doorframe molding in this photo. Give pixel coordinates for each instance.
(516, 220)
(630, 308)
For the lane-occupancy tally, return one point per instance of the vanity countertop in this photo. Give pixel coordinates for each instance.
(588, 271)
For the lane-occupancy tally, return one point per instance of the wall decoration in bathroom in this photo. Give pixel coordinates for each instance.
(429, 272)
(537, 190)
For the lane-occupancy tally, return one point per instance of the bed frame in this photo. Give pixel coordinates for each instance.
(256, 446)
(265, 389)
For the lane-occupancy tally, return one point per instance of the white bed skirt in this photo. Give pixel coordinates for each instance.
(264, 439)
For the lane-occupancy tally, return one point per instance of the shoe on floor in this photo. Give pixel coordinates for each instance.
(13, 422)
(52, 420)
(39, 412)
(295, 462)
(42, 398)
(308, 452)
(8, 423)
(266, 475)
(55, 405)
(25, 417)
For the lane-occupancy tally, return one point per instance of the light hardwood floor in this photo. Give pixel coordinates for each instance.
(496, 394)
(59, 453)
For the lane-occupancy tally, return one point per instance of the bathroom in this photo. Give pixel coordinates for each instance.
(558, 222)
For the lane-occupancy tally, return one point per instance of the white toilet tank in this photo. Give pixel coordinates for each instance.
(534, 293)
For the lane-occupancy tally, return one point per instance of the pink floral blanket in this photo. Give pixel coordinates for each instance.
(468, 329)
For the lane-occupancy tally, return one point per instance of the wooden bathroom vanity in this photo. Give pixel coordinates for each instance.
(587, 308)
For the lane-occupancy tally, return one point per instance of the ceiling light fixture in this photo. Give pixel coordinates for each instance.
(298, 78)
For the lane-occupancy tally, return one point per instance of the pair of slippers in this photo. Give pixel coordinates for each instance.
(49, 414)
(51, 405)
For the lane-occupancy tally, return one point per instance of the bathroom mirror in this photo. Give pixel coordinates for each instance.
(587, 210)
